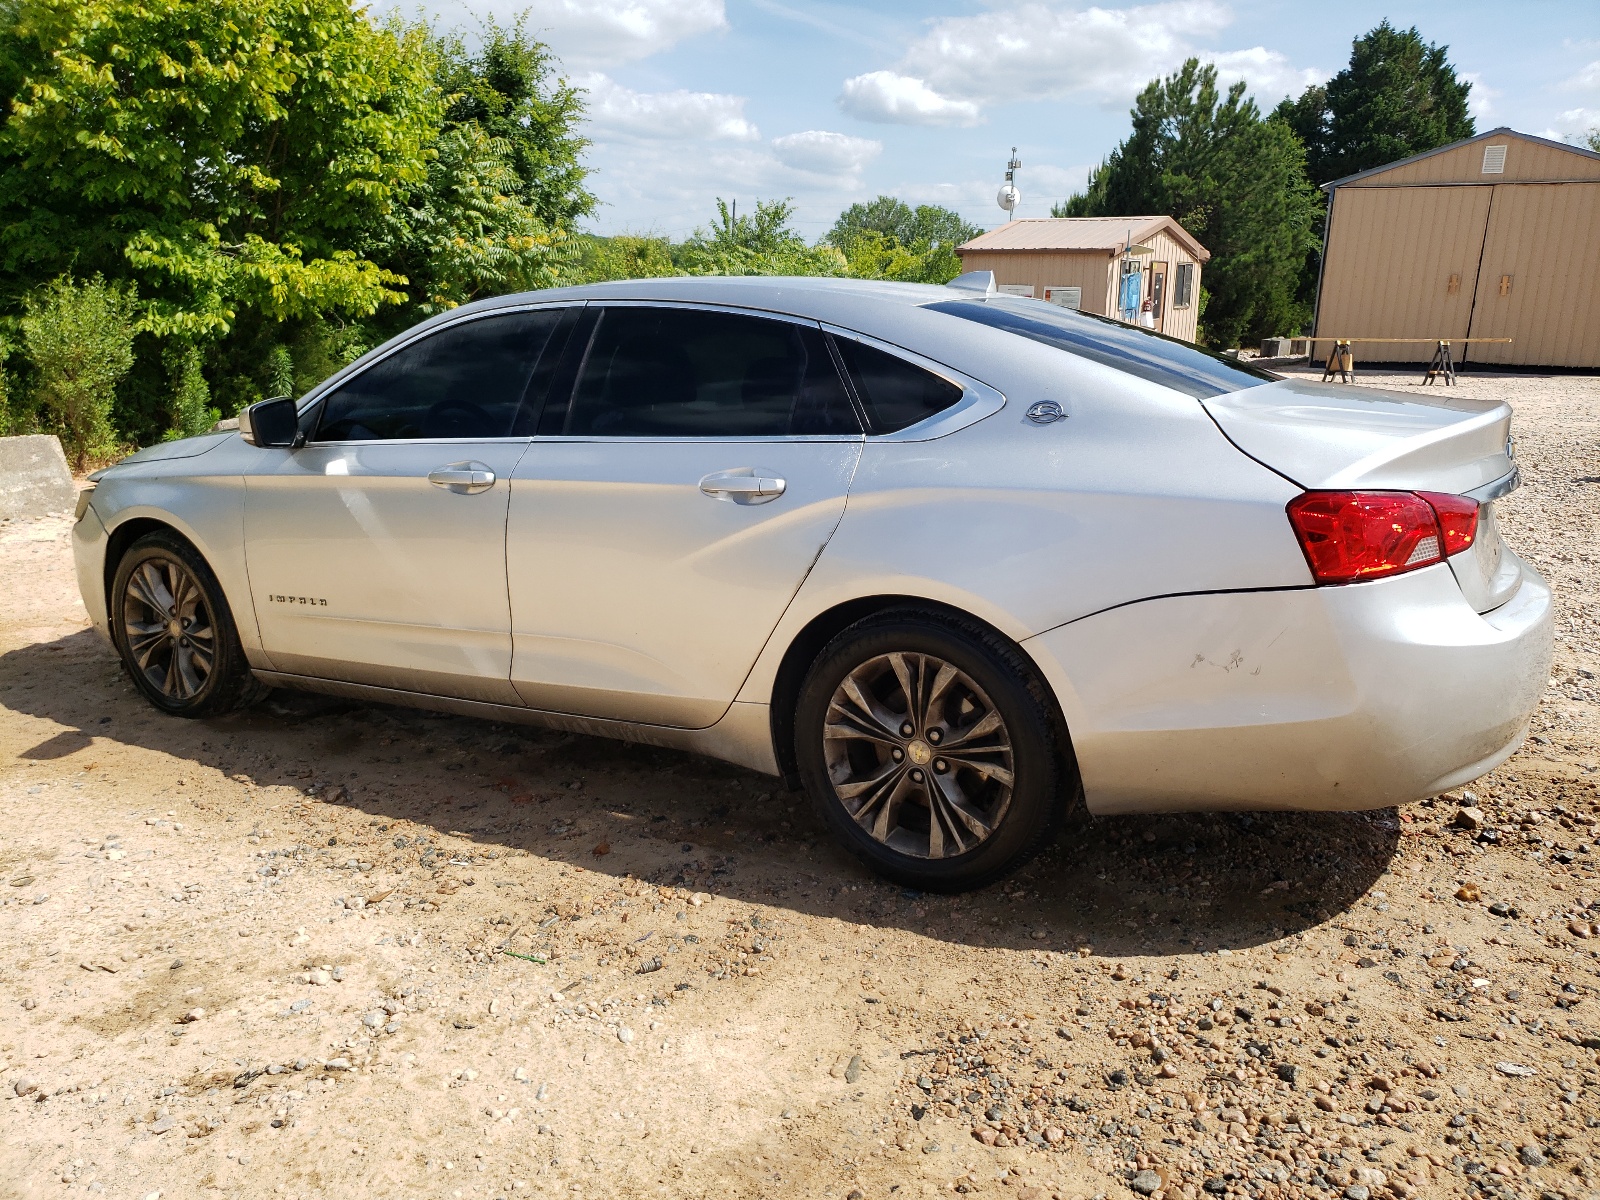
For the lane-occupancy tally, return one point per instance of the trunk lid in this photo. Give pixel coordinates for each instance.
(1324, 435)
(1328, 435)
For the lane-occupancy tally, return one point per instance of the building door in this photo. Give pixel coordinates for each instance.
(1158, 292)
(1537, 283)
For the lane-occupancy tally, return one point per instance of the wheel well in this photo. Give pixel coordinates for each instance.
(121, 538)
(822, 629)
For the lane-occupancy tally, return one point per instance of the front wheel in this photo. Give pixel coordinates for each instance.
(927, 744)
(175, 632)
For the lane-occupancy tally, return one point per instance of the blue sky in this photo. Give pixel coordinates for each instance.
(830, 103)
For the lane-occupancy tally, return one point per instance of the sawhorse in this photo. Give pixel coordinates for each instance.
(1341, 362)
(1443, 366)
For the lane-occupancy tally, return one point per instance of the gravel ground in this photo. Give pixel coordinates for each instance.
(324, 949)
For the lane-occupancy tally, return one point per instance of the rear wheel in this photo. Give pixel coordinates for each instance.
(927, 744)
(175, 632)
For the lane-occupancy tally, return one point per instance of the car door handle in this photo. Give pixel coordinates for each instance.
(743, 485)
(463, 478)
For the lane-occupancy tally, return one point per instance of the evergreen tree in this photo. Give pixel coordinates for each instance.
(1399, 96)
(1234, 180)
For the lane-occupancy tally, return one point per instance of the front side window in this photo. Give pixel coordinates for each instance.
(895, 394)
(671, 372)
(1127, 348)
(466, 381)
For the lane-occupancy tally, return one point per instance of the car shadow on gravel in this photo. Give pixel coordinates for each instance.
(1124, 886)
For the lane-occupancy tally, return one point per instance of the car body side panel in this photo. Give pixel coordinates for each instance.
(1351, 697)
(1134, 494)
(201, 496)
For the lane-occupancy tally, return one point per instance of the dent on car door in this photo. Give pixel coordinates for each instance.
(377, 549)
(676, 497)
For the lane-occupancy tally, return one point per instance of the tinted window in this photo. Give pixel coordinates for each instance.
(1142, 352)
(664, 372)
(894, 393)
(466, 381)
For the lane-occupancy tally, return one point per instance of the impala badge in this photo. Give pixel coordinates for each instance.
(1045, 412)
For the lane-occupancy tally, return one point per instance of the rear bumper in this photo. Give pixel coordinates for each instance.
(1353, 697)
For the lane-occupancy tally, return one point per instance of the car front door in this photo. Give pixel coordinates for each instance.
(690, 466)
(376, 551)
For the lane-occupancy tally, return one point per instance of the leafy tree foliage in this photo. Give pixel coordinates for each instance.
(274, 174)
(509, 91)
(79, 338)
(1234, 180)
(886, 238)
(1399, 96)
(758, 243)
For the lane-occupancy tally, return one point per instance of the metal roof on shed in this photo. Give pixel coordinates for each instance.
(1108, 234)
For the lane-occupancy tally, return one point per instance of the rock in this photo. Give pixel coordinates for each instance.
(1515, 1070)
(34, 480)
(1357, 1191)
(193, 1015)
(1468, 892)
(163, 1125)
(25, 1086)
(1531, 1156)
(1370, 1177)
(624, 1034)
(852, 1071)
(1580, 928)
(1288, 1072)
(375, 1019)
(1470, 817)
(336, 1064)
(1146, 1183)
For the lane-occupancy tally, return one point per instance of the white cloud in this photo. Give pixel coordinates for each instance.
(1586, 80)
(1269, 75)
(823, 153)
(901, 100)
(1049, 49)
(594, 33)
(1573, 124)
(622, 112)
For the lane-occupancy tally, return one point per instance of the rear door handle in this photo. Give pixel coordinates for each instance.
(744, 485)
(463, 478)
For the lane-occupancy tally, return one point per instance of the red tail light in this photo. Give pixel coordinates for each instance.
(1350, 536)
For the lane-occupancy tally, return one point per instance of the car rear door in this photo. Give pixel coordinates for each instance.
(377, 550)
(689, 468)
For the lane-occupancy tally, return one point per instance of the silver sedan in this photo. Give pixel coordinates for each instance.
(951, 560)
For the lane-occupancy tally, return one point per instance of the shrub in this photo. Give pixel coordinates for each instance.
(79, 338)
(192, 413)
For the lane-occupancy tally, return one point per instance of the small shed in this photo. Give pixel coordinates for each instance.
(1103, 265)
(1494, 236)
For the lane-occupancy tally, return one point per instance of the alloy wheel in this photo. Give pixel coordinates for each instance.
(171, 636)
(918, 755)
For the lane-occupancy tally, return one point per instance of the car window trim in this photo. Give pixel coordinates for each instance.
(599, 306)
(314, 398)
(978, 400)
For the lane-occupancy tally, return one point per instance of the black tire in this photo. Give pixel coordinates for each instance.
(920, 819)
(175, 632)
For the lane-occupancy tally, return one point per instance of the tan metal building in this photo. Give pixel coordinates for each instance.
(1494, 236)
(1080, 262)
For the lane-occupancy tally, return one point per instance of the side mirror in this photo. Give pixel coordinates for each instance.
(272, 423)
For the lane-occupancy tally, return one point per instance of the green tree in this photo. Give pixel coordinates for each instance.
(592, 258)
(886, 238)
(1592, 139)
(79, 339)
(1398, 96)
(508, 88)
(1234, 180)
(236, 155)
(758, 243)
(192, 413)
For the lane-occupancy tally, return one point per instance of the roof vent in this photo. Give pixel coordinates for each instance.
(1494, 160)
(974, 281)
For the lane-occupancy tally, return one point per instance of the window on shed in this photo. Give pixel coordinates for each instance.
(1183, 286)
(1494, 160)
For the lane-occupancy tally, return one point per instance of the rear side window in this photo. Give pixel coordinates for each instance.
(672, 372)
(1127, 348)
(896, 394)
(466, 381)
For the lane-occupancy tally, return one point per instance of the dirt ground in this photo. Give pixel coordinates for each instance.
(323, 949)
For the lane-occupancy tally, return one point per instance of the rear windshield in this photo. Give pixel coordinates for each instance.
(1142, 352)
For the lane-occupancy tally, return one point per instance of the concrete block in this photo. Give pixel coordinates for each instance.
(34, 480)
